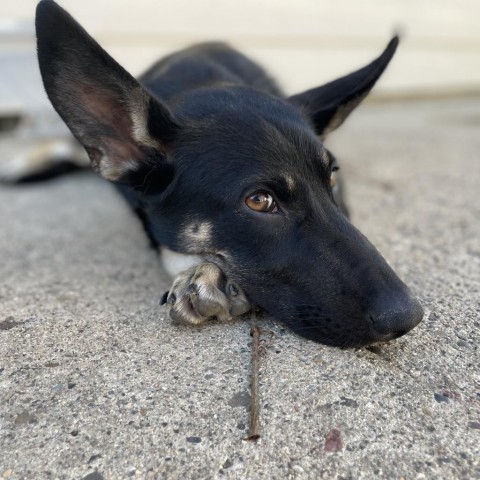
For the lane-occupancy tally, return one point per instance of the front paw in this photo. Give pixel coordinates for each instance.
(204, 292)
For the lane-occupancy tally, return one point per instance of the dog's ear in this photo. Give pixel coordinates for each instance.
(329, 105)
(122, 128)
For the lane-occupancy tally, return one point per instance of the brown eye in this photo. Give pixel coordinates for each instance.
(261, 202)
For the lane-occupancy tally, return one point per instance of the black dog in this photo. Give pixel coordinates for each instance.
(233, 181)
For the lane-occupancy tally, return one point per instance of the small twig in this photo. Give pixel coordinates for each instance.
(254, 427)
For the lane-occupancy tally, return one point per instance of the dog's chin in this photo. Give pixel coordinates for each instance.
(346, 341)
(341, 341)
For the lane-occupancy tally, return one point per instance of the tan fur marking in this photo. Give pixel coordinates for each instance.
(139, 114)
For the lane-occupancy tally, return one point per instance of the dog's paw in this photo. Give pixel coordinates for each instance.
(204, 292)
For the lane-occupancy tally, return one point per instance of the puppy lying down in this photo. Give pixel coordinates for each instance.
(232, 181)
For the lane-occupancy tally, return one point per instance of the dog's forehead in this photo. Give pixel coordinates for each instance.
(294, 144)
(239, 112)
(253, 128)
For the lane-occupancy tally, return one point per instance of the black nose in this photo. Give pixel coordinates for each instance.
(393, 317)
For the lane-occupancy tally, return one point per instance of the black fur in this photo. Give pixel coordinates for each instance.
(213, 129)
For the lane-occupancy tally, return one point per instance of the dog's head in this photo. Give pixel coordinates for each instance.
(240, 177)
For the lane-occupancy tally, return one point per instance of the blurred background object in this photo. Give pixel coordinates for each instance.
(302, 43)
(34, 142)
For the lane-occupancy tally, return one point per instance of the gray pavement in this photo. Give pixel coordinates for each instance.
(96, 383)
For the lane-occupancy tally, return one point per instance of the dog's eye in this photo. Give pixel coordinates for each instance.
(261, 202)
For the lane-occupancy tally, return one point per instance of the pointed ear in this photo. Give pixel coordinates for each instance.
(329, 105)
(122, 128)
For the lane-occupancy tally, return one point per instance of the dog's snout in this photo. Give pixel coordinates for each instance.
(391, 318)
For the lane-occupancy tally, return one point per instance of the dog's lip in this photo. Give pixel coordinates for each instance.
(366, 338)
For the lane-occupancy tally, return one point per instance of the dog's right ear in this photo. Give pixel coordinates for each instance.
(329, 105)
(122, 128)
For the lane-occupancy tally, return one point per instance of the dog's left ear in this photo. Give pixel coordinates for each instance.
(329, 105)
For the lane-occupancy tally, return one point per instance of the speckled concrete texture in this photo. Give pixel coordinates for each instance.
(95, 382)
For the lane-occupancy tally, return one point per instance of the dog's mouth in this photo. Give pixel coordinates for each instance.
(346, 330)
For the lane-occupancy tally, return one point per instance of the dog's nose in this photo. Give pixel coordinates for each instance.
(393, 318)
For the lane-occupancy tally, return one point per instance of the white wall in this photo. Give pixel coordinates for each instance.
(302, 42)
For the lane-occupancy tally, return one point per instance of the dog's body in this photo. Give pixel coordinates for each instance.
(232, 179)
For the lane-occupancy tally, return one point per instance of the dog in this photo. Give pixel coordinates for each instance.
(232, 181)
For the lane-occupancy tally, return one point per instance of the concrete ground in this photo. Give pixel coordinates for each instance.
(95, 382)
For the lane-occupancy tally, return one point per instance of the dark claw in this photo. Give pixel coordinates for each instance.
(163, 299)
(172, 298)
(192, 289)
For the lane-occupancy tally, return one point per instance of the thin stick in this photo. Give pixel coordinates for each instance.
(254, 427)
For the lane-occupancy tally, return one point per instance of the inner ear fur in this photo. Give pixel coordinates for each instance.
(329, 105)
(117, 121)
